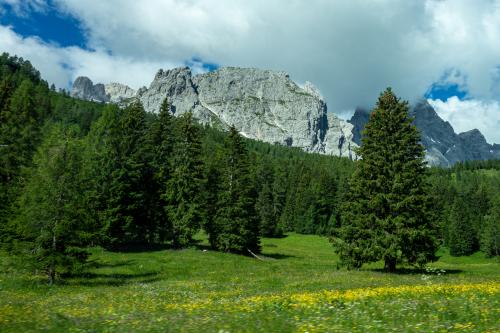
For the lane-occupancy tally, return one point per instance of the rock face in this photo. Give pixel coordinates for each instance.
(358, 121)
(443, 146)
(118, 93)
(84, 88)
(262, 104)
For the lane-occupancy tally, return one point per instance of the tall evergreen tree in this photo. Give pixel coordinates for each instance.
(490, 237)
(235, 228)
(183, 197)
(387, 216)
(462, 239)
(265, 205)
(51, 208)
(279, 189)
(18, 131)
(163, 140)
(125, 217)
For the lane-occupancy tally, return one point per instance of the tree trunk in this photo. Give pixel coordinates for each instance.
(390, 265)
(51, 273)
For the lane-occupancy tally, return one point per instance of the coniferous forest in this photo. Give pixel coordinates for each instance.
(76, 174)
(138, 219)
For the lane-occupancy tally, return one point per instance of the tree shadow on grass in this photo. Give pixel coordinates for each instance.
(417, 271)
(89, 279)
(140, 248)
(277, 256)
(96, 263)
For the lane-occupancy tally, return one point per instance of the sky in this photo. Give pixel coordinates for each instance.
(447, 51)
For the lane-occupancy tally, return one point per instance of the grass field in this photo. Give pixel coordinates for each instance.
(297, 288)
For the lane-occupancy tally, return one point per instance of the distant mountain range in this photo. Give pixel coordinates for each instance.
(268, 106)
(443, 146)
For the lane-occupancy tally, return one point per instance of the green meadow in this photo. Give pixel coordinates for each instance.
(294, 286)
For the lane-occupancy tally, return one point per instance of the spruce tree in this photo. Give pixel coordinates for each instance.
(279, 188)
(236, 228)
(462, 239)
(125, 216)
(183, 197)
(490, 237)
(163, 140)
(266, 206)
(387, 215)
(50, 220)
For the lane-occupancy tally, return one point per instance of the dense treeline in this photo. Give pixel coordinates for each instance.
(75, 174)
(467, 198)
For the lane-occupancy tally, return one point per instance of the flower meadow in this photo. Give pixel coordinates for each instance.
(300, 291)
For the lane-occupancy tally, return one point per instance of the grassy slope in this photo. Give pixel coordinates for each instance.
(196, 290)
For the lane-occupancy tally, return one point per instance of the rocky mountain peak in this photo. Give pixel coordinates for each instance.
(262, 104)
(84, 88)
(443, 146)
(358, 120)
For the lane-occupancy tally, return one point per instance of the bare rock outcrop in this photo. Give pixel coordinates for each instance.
(262, 104)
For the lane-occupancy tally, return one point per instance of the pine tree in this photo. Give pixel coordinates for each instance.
(18, 131)
(490, 237)
(236, 228)
(51, 209)
(125, 216)
(279, 188)
(266, 204)
(264, 207)
(183, 197)
(163, 140)
(387, 216)
(462, 236)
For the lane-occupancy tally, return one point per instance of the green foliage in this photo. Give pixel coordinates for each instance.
(183, 195)
(126, 219)
(51, 212)
(235, 228)
(269, 204)
(490, 237)
(162, 140)
(462, 239)
(386, 216)
(475, 185)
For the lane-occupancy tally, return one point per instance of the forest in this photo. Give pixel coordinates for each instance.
(76, 174)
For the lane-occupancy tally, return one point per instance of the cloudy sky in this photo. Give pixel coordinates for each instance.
(445, 50)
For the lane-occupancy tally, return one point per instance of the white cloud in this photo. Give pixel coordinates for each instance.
(469, 114)
(22, 8)
(61, 65)
(351, 50)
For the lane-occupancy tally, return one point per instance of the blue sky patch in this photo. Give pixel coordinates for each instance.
(49, 24)
(445, 91)
(452, 83)
(198, 62)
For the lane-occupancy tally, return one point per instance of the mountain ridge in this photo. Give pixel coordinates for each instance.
(443, 146)
(268, 106)
(264, 105)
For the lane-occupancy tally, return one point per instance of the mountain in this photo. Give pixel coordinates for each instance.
(262, 104)
(443, 146)
(84, 88)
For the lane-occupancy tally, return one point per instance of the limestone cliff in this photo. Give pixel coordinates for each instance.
(262, 104)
